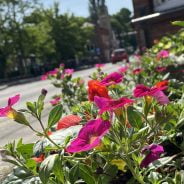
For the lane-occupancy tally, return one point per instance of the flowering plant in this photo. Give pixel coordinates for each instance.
(128, 130)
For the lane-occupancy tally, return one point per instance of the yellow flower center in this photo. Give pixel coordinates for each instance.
(12, 114)
(92, 139)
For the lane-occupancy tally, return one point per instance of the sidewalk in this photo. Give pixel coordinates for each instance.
(18, 81)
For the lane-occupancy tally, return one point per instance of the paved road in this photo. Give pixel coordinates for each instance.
(10, 130)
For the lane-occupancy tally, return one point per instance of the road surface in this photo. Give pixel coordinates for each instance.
(9, 130)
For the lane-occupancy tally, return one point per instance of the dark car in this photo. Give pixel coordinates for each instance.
(119, 55)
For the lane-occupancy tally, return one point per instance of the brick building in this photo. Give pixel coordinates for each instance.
(152, 19)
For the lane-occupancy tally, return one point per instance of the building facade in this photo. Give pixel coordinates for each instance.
(152, 19)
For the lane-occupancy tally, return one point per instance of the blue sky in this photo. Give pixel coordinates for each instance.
(80, 7)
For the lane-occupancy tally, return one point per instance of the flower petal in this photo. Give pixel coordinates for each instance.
(89, 136)
(13, 100)
(160, 97)
(141, 90)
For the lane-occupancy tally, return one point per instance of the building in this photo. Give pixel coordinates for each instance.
(152, 19)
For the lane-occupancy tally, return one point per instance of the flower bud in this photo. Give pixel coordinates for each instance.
(44, 92)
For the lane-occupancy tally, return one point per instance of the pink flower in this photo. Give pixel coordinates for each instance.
(155, 92)
(160, 69)
(137, 71)
(8, 111)
(163, 54)
(137, 56)
(123, 69)
(44, 77)
(53, 72)
(113, 78)
(89, 136)
(55, 101)
(153, 153)
(105, 104)
(69, 71)
(62, 65)
(99, 65)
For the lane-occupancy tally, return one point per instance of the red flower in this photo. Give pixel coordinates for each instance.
(95, 88)
(68, 121)
(160, 69)
(49, 133)
(161, 84)
(39, 159)
(137, 71)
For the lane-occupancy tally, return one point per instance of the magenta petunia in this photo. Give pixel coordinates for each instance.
(99, 65)
(69, 71)
(153, 153)
(137, 71)
(163, 54)
(53, 72)
(55, 101)
(160, 69)
(123, 69)
(105, 104)
(113, 78)
(89, 136)
(156, 92)
(8, 110)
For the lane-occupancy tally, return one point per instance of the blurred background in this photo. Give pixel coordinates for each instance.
(38, 35)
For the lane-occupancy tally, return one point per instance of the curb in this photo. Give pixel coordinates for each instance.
(20, 81)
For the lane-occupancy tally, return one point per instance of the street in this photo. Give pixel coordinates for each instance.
(10, 130)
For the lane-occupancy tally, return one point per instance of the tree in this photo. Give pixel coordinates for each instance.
(68, 33)
(12, 25)
(121, 26)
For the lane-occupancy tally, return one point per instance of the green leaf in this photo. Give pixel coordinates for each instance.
(160, 162)
(86, 174)
(40, 104)
(31, 107)
(32, 165)
(110, 173)
(134, 117)
(55, 115)
(46, 168)
(74, 173)
(20, 176)
(26, 150)
(178, 23)
(12, 162)
(58, 170)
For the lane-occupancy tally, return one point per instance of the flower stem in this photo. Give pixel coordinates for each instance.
(135, 175)
(45, 134)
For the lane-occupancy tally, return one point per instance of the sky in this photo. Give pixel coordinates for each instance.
(80, 7)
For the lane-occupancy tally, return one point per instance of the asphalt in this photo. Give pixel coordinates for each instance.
(29, 91)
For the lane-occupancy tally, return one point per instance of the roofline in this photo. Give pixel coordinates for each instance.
(154, 15)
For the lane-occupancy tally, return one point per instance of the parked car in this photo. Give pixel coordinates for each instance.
(119, 55)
